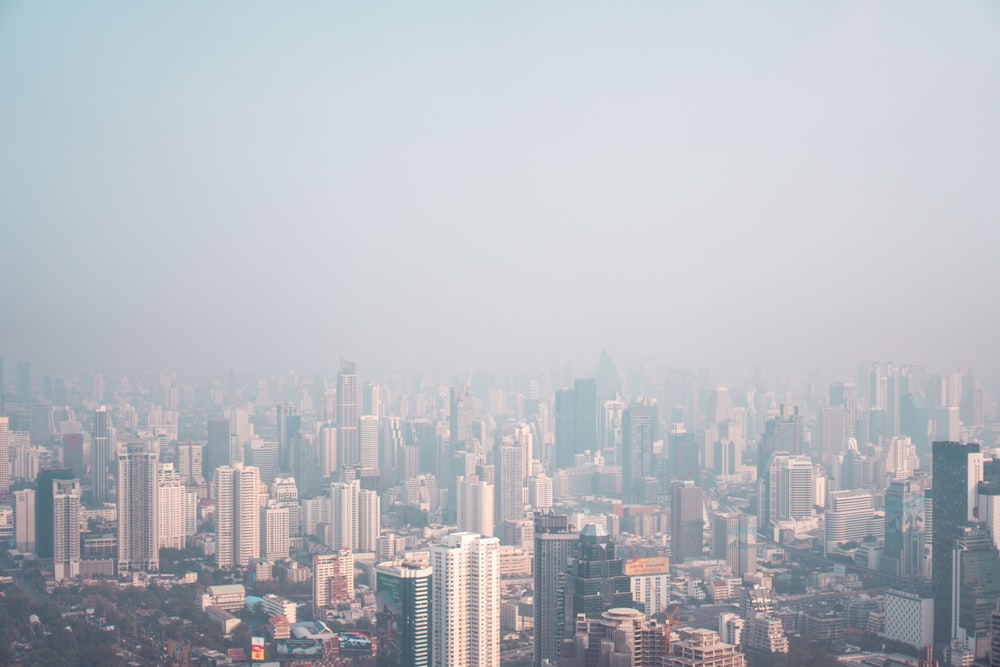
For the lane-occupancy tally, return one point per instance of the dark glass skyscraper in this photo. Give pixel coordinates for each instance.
(904, 529)
(216, 452)
(555, 542)
(687, 521)
(44, 522)
(957, 470)
(403, 616)
(596, 579)
(639, 424)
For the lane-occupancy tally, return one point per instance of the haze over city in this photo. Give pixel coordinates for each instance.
(449, 186)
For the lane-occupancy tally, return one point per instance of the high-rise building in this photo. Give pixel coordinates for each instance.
(368, 441)
(66, 528)
(565, 428)
(957, 469)
(682, 398)
(403, 614)
(513, 482)
(217, 449)
(4, 455)
(465, 601)
(173, 496)
(475, 506)
(263, 455)
(904, 528)
(639, 423)
(369, 520)
(555, 542)
(975, 587)
(73, 453)
(734, 537)
(333, 579)
(595, 579)
(237, 516)
(909, 618)
(791, 488)
(274, 532)
(138, 507)
(189, 463)
(43, 509)
(687, 521)
(100, 454)
(347, 414)
(328, 450)
(901, 459)
(344, 514)
(947, 424)
(289, 424)
(24, 520)
(585, 415)
(847, 517)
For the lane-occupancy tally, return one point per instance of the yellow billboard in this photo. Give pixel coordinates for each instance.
(257, 648)
(640, 567)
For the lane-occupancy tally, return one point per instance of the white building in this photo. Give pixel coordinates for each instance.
(909, 619)
(540, 492)
(475, 506)
(369, 520)
(237, 516)
(652, 590)
(172, 503)
(344, 497)
(793, 488)
(275, 605)
(333, 579)
(24, 520)
(138, 507)
(4, 454)
(274, 532)
(466, 601)
(847, 517)
(368, 432)
(66, 528)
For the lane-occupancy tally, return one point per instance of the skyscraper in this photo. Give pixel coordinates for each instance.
(734, 538)
(368, 440)
(904, 528)
(791, 488)
(555, 542)
(44, 509)
(847, 517)
(369, 520)
(475, 506)
(237, 517)
(24, 520)
(217, 450)
(465, 601)
(513, 482)
(976, 587)
(274, 532)
(173, 496)
(100, 455)
(639, 423)
(585, 415)
(289, 424)
(687, 521)
(595, 579)
(333, 579)
(189, 463)
(347, 413)
(957, 469)
(138, 507)
(403, 614)
(66, 528)
(344, 498)
(565, 428)
(4, 455)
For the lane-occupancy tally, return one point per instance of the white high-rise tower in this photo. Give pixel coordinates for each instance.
(66, 528)
(466, 601)
(237, 522)
(138, 507)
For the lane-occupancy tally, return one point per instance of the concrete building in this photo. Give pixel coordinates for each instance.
(403, 616)
(333, 579)
(66, 528)
(465, 626)
(909, 618)
(172, 501)
(138, 507)
(475, 506)
(24, 520)
(555, 543)
(237, 515)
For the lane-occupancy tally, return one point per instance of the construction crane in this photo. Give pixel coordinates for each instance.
(669, 622)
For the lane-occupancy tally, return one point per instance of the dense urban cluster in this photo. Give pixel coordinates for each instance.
(649, 517)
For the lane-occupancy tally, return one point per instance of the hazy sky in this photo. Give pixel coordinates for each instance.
(444, 185)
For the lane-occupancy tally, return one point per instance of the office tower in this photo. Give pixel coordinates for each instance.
(465, 601)
(792, 488)
(639, 423)
(847, 517)
(844, 395)
(344, 514)
(460, 416)
(369, 520)
(719, 407)
(904, 528)
(217, 449)
(274, 532)
(173, 496)
(687, 522)
(901, 459)
(595, 578)
(565, 429)
(66, 528)
(239, 433)
(390, 448)
(263, 456)
(585, 415)
(682, 398)
(306, 464)
(138, 507)
(513, 482)
(403, 614)
(347, 413)
(24, 520)
(23, 386)
(237, 519)
(189, 463)
(957, 469)
(913, 421)
(734, 538)
(328, 450)
(683, 461)
(475, 506)
(368, 441)
(73, 453)
(43, 509)
(976, 587)
(555, 542)
(4, 455)
(540, 492)
(100, 454)
(333, 579)
(289, 424)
